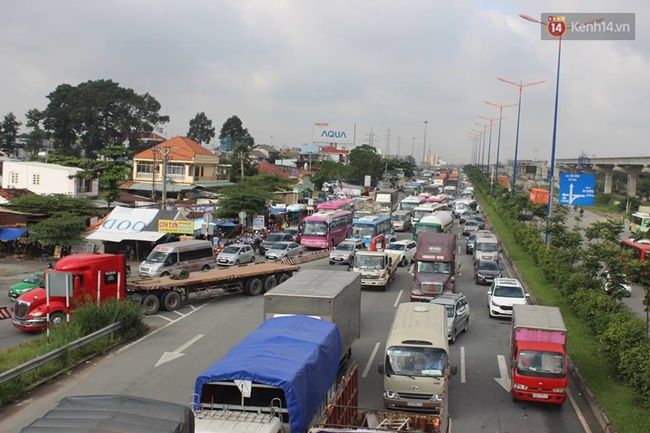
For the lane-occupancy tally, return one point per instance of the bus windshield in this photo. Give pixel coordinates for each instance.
(416, 361)
(362, 230)
(315, 228)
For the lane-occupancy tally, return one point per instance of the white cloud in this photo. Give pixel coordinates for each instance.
(280, 65)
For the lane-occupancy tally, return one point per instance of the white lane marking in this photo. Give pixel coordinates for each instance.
(370, 361)
(581, 417)
(162, 317)
(179, 313)
(170, 356)
(192, 307)
(462, 364)
(399, 295)
(504, 380)
(154, 332)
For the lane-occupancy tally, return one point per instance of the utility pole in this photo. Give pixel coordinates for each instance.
(153, 176)
(164, 151)
(387, 142)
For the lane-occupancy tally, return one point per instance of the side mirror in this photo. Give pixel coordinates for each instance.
(380, 368)
(528, 295)
(572, 367)
(489, 292)
(454, 370)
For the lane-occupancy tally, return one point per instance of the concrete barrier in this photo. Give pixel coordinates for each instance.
(5, 312)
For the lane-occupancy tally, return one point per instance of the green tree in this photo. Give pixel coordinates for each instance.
(252, 196)
(111, 171)
(99, 114)
(241, 158)
(364, 161)
(201, 129)
(10, 129)
(234, 131)
(34, 119)
(330, 170)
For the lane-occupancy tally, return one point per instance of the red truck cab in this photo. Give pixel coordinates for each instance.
(94, 277)
(539, 363)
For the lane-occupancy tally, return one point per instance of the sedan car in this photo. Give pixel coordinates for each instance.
(402, 251)
(481, 221)
(470, 226)
(271, 240)
(485, 271)
(282, 250)
(235, 255)
(457, 313)
(345, 251)
(28, 283)
(503, 294)
(466, 216)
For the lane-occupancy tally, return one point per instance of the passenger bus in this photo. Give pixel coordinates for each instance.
(639, 222)
(410, 203)
(336, 204)
(326, 229)
(640, 249)
(426, 209)
(367, 227)
(415, 188)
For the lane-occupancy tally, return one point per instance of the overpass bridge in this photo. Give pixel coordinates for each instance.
(632, 166)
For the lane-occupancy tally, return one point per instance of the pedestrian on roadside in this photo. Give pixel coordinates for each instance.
(582, 212)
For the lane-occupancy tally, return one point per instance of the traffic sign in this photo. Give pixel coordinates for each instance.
(242, 215)
(577, 189)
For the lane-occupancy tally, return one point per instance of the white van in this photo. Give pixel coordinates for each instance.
(486, 247)
(416, 366)
(188, 255)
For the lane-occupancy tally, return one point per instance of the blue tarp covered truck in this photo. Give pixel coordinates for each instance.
(284, 372)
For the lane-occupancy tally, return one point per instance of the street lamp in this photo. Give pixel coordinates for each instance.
(549, 210)
(473, 139)
(490, 125)
(521, 86)
(482, 152)
(500, 106)
(477, 135)
(424, 147)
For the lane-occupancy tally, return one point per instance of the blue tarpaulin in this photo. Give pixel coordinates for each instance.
(11, 234)
(226, 224)
(277, 211)
(298, 354)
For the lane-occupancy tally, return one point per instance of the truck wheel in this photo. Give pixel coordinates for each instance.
(151, 304)
(164, 274)
(283, 278)
(171, 301)
(254, 287)
(57, 319)
(205, 268)
(269, 283)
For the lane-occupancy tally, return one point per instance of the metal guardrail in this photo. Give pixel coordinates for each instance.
(5, 312)
(57, 353)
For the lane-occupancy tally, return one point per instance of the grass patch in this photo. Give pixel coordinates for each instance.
(86, 320)
(622, 405)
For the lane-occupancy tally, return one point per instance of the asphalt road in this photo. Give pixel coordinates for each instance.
(155, 367)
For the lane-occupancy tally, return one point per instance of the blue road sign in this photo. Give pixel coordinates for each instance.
(577, 189)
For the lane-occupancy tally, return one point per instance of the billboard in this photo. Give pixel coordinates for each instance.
(327, 132)
(181, 226)
(577, 189)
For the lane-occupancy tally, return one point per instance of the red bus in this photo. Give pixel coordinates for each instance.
(640, 249)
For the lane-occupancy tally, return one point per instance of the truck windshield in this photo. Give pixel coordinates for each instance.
(416, 361)
(541, 364)
(368, 262)
(157, 257)
(433, 267)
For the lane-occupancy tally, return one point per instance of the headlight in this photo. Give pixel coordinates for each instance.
(37, 314)
(436, 397)
(560, 390)
(519, 386)
(494, 304)
(391, 394)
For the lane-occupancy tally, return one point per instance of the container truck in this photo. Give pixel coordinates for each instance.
(387, 199)
(97, 277)
(539, 365)
(436, 266)
(333, 296)
(279, 378)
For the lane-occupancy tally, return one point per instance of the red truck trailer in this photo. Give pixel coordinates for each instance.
(97, 277)
(539, 364)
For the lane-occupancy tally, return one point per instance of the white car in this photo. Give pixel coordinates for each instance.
(503, 294)
(402, 251)
(283, 250)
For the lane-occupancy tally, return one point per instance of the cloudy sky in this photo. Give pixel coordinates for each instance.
(385, 65)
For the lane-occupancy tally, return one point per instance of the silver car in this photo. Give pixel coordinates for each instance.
(345, 251)
(235, 255)
(282, 250)
(457, 313)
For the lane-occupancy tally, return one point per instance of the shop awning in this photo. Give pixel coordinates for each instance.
(127, 224)
(11, 234)
(119, 237)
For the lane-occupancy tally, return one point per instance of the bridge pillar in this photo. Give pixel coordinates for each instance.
(632, 176)
(609, 177)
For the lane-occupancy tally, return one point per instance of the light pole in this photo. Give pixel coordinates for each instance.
(490, 125)
(477, 136)
(482, 152)
(521, 86)
(424, 146)
(500, 106)
(549, 210)
(472, 138)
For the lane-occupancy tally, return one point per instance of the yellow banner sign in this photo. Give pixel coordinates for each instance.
(171, 226)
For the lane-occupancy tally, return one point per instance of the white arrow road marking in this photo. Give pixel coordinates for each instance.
(170, 356)
(463, 377)
(504, 380)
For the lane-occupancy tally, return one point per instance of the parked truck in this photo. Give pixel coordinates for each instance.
(114, 413)
(377, 268)
(281, 377)
(97, 277)
(344, 415)
(539, 365)
(333, 296)
(387, 199)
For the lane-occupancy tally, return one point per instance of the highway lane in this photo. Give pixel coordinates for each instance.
(206, 332)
